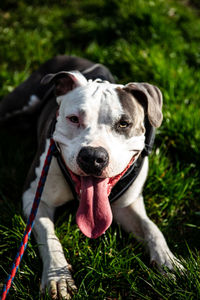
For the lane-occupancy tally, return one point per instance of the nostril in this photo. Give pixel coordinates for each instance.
(84, 158)
(100, 160)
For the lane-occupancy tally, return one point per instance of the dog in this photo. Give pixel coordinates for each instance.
(103, 133)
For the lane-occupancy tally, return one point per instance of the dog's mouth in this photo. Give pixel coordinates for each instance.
(94, 215)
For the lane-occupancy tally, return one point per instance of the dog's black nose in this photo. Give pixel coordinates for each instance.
(92, 160)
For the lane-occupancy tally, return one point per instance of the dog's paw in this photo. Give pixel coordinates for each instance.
(59, 283)
(165, 260)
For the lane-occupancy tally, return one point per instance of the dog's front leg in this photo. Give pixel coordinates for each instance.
(133, 218)
(56, 274)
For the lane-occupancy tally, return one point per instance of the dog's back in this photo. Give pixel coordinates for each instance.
(23, 106)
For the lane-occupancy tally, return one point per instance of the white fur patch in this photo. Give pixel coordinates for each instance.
(33, 101)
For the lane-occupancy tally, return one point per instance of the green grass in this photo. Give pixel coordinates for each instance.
(155, 41)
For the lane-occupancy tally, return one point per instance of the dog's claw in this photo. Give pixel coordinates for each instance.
(59, 282)
(71, 286)
(64, 289)
(53, 289)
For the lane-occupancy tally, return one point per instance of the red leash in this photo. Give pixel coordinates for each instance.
(31, 219)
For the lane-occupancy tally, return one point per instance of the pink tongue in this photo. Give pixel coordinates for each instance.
(94, 214)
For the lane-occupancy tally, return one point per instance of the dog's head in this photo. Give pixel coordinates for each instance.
(100, 131)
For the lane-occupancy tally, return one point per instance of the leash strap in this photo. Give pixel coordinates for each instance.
(31, 219)
(126, 180)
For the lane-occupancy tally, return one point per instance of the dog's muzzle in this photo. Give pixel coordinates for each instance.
(93, 160)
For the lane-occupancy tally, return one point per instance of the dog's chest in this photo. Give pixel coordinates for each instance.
(56, 190)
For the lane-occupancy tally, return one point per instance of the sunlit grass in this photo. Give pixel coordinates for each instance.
(154, 41)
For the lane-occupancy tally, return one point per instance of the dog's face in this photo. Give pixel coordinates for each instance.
(101, 121)
(100, 130)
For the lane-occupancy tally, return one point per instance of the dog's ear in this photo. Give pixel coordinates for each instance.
(150, 97)
(65, 81)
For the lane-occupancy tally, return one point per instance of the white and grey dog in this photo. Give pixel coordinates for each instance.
(100, 132)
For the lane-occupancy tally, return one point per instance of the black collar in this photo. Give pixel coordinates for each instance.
(120, 187)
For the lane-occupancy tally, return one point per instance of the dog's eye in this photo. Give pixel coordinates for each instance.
(73, 119)
(123, 124)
